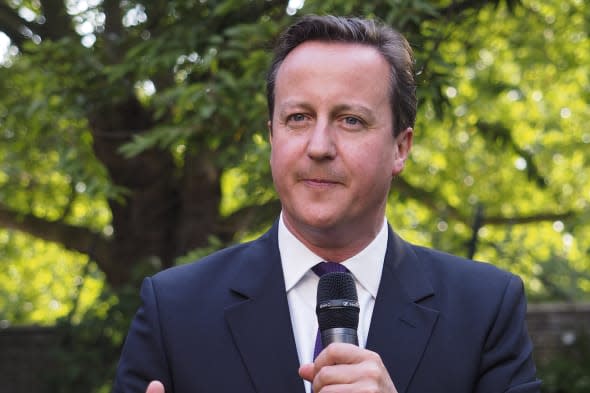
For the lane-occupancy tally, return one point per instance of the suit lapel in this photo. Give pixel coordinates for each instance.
(401, 324)
(261, 324)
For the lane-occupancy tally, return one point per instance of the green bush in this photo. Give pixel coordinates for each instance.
(568, 372)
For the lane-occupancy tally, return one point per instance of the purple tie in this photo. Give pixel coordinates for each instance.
(320, 269)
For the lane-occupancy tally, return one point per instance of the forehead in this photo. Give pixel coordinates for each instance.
(338, 53)
(341, 73)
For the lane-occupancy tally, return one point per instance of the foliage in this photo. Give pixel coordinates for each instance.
(568, 372)
(43, 283)
(88, 351)
(514, 148)
(134, 133)
(193, 78)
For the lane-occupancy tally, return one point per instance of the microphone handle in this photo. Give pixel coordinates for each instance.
(339, 335)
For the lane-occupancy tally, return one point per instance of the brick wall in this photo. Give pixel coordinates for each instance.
(25, 352)
(555, 327)
(25, 355)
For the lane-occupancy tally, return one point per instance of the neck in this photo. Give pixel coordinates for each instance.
(334, 244)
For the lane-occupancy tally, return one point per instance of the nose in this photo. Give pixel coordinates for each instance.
(321, 144)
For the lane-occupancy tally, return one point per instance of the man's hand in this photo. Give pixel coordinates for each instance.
(155, 387)
(347, 368)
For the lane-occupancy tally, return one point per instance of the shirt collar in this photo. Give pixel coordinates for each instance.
(366, 266)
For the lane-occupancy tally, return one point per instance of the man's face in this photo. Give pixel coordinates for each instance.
(333, 151)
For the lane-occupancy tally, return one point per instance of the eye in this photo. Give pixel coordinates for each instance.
(352, 123)
(351, 120)
(296, 117)
(297, 121)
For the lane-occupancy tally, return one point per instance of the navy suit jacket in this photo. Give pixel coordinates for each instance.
(222, 324)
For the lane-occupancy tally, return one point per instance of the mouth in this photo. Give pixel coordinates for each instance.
(315, 182)
(321, 179)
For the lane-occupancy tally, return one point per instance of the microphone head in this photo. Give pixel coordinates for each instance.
(337, 302)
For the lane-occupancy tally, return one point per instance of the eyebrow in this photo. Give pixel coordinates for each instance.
(354, 108)
(294, 103)
(289, 105)
(361, 109)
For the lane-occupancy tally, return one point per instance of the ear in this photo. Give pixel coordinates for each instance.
(403, 145)
(269, 126)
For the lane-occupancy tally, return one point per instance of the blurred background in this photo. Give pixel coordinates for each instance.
(133, 138)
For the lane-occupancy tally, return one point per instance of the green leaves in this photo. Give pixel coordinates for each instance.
(162, 138)
(169, 114)
(510, 141)
(502, 124)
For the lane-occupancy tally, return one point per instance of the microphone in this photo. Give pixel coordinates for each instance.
(337, 308)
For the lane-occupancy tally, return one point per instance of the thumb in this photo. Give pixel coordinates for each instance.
(155, 387)
(307, 371)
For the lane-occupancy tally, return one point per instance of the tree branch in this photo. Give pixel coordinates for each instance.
(114, 32)
(71, 237)
(528, 219)
(429, 198)
(113, 19)
(58, 24)
(457, 8)
(435, 202)
(497, 133)
(12, 25)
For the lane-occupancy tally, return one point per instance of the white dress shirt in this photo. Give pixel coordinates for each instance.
(301, 286)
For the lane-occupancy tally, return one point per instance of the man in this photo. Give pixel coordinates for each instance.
(342, 107)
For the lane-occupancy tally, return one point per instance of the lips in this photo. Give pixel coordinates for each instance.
(323, 178)
(320, 181)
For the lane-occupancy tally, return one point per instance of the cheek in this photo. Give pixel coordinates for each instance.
(279, 160)
(274, 164)
(284, 150)
(375, 160)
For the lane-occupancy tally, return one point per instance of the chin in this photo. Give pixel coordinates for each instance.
(321, 221)
(313, 215)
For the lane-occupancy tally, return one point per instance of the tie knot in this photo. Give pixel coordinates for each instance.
(328, 267)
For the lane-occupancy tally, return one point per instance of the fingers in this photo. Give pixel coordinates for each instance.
(348, 368)
(307, 372)
(155, 387)
(340, 353)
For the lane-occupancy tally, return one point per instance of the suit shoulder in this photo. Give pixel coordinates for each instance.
(218, 267)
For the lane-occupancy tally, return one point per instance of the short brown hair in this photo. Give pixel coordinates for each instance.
(390, 43)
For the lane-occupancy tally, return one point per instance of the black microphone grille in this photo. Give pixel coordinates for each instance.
(337, 301)
(336, 285)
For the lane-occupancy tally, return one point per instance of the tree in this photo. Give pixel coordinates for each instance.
(134, 132)
(85, 104)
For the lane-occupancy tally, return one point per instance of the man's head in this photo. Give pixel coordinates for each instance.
(333, 151)
(392, 46)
